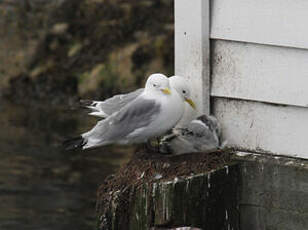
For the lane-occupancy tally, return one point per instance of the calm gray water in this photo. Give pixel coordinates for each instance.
(42, 186)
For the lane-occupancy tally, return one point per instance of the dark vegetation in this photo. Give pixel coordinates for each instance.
(59, 51)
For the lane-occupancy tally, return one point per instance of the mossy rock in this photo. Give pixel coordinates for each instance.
(73, 38)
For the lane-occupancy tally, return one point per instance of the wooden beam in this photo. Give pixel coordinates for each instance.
(192, 48)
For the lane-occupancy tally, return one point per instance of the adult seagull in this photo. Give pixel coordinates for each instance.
(151, 114)
(107, 107)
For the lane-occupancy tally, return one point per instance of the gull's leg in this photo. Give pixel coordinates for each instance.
(164, 143)
(149, 147)
(168, 138)
(158, 142)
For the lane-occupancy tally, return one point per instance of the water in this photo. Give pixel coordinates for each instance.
(42, 186)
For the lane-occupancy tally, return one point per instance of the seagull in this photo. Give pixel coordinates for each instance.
(151, 114)
(200, 135)
(181, 86)
(105, 108)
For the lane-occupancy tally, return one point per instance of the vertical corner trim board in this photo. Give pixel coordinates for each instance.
(192, 47)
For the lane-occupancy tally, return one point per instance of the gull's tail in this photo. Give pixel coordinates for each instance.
(74, 143)
(94, 106)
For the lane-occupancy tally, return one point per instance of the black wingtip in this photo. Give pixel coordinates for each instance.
(74, 143)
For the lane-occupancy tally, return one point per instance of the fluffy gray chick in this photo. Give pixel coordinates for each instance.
(200, 135)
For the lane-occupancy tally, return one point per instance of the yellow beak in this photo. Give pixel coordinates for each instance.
(166, 91)
(190, 102)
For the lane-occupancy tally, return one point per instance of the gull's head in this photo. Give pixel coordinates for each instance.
(180, 85)
(158, 82)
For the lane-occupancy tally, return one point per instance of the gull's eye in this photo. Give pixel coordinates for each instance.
(154, 85)
(184, 91)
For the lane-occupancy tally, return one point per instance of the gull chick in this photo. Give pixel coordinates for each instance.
(151, 114)
(200, 135)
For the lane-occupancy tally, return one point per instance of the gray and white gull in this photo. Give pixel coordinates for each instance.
(157, 109)
(107, 107)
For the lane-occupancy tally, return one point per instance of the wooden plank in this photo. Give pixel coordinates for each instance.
(272, 22)
(263, 127)
(260, 73)
(192, 47)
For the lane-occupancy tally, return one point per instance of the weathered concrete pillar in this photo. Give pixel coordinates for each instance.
(207, 200)
(273, 193)
(251, 191)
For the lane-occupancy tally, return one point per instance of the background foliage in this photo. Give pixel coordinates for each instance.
(61, 50)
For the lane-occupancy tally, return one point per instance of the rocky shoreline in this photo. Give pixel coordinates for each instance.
(59, 51)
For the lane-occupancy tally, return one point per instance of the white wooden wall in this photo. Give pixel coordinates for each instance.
(259, 70)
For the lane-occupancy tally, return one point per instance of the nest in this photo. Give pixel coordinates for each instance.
(147, 168)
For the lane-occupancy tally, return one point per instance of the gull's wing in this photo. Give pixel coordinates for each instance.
(211, 122)
(137, 114)
(204, 133)
(111, 105)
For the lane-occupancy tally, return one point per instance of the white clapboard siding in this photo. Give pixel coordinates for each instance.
(192, 48)
(275, 22)
(260, 72)
(262, 127)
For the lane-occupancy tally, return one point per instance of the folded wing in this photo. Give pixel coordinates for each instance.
(106, 108)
